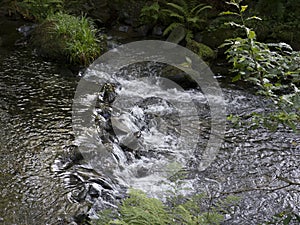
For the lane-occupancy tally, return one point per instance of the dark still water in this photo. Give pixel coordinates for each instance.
(35, 121)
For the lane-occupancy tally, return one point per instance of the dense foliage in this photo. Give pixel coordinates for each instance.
(140, 209)
(178, 13)
(274, 68)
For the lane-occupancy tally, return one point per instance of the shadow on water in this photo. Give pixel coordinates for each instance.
(45, 180)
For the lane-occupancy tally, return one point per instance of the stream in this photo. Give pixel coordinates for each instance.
(46, 179)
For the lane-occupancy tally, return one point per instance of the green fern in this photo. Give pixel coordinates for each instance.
(171, 27)
(139, 209)
(184, 14)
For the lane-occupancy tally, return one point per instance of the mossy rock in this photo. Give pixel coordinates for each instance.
(202, 50)
(68, 39)
(47, 44)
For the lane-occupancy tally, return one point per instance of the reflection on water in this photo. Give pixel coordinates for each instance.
(35, 113)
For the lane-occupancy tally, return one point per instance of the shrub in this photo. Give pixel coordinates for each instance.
(274, 68)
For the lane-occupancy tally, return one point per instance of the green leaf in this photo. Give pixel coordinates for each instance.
(171, 27)
(193, 19)
(253, 18)
(236, 78)
(203, 8)
(234, 4)
(176, 15)
(243, 9)
(251, 34)
(178, 7)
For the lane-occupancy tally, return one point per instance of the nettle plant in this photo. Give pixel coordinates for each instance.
(273, 67)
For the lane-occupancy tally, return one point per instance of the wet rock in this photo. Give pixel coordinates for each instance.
(94, 192)
(178, 76)
(157, 30)
(108, 93)
(131, 141)
(46, 44)
(27, 30)
(124, 28)
(144, 29)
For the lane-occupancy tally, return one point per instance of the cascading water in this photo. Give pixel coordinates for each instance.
(45, 179)
(139, 139)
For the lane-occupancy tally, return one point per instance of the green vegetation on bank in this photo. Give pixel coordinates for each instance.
(59, 35)
(79, 37)
(140, 209)
(274, 68)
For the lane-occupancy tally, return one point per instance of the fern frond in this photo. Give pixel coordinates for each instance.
(185, 5)
(203, 8)
(171, 27)
(194, 20)
(177, 7)
(179, 17)
(196, 7)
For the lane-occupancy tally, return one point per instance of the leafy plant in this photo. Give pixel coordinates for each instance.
(185, 14)
(140, 209)
(150, 13)
(79, 35)
(274, 68)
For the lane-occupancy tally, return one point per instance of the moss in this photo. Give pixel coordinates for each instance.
(205, 52)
